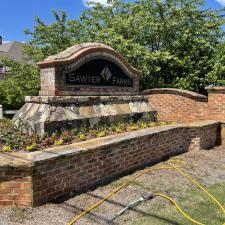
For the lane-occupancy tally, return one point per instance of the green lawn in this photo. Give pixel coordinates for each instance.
(195, 203)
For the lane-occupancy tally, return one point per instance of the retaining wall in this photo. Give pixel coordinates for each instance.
(31, 179)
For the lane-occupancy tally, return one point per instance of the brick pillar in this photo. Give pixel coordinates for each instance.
(216, 103)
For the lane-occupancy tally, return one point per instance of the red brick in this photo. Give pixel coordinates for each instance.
(13, 185)
(27, 185)
(6, 203)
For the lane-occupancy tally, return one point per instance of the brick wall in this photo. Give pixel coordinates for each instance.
(185, 106)
(84, 170)
(15, 187)
(78, 167)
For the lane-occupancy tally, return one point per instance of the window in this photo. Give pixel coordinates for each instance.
(2, 72)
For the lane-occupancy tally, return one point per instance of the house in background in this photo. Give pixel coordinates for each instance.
(12, 50)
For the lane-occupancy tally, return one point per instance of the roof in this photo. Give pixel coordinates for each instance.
(12, 50)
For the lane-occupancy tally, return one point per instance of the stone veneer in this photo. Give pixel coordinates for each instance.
(48, 114)
(53, 83)
(32, 179)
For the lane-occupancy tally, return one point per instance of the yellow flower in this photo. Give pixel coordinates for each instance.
(31, 148)
(59, 142)
(6, 148)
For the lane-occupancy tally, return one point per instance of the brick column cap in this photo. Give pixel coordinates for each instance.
(217, 89)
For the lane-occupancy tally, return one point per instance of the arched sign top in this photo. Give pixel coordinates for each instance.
(77, 51)
(88, 69)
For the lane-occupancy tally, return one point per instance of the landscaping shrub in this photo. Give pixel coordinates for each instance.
(11, 139)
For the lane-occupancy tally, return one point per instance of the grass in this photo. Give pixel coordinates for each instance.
(195, 203)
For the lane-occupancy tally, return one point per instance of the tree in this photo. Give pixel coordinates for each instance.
(173, 42)
(217, 75)
(48, 40)
(23, 80)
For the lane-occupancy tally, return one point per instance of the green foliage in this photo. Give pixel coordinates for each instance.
(143, 124)
(162, 123)
(132, 125)
(59, 142)
(118, 127)
(24, 79)
(101, 134)
(32, 147)
(81, 136)
(49, 39)
(12, 139)
(175, 43)
(66, 136)
(6, 148)
(152, 124)
(217, 75)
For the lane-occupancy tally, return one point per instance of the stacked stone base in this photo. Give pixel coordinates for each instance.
(43, 114)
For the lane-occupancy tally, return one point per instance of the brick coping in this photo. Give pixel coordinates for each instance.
(189, 94)
(81, 50)
(29, 160)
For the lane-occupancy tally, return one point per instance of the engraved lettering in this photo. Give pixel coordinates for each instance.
(97, 72)
(71, 77)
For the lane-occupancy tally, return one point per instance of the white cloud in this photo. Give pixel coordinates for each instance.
(5, 42)
(88, 3)
(222, 2)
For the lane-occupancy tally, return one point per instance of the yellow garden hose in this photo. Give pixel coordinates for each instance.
(115, 191)
(178, 208)
(171, 165)
(198, 185)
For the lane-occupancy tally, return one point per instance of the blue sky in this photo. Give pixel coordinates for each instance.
(16, 15)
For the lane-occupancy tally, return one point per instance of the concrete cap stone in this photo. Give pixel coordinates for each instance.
(219, 89)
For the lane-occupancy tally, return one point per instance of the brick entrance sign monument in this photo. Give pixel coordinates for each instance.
(86, 84)
(91, 84)
(88, 69)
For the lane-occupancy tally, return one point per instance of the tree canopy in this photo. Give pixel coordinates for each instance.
(24, 79)
(175, 43)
